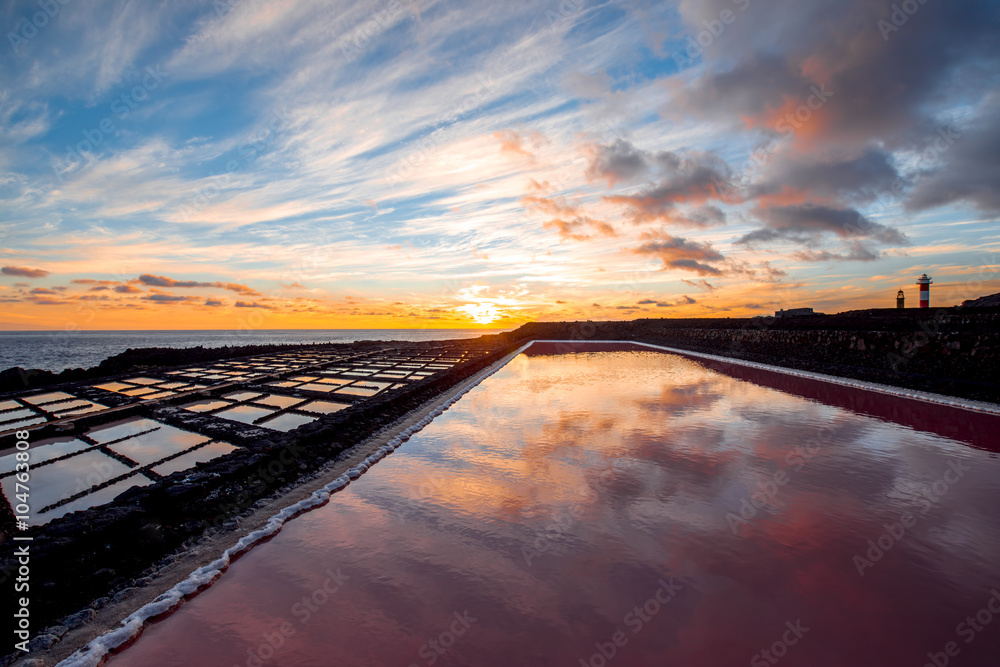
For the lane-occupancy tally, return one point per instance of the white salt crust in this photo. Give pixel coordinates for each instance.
(95, 652)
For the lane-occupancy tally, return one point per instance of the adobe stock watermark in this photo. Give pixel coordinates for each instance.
(303, 611)
(79, 156)
(779, 649)
(967, 629)
(898, 17)
(767, 489)
(424, 147)
(549, 535)
(363, 34)
(27, 28)
(927, 496)
(564, 10)
(635, 620)
(696, 44)
(223, 7)
(248, 151)
(926, 160)
(432, 650)
(416, 495)
(790, 123)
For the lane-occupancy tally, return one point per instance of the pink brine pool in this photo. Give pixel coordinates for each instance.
(632, 508)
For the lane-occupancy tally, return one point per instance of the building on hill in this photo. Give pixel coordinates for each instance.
(794, 312)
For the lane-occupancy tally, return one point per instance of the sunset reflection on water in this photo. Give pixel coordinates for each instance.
(630, 504)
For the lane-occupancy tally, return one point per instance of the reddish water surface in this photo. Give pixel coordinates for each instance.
(630, 508)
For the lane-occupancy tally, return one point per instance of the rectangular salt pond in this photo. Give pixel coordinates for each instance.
(569, 498)
(144, 441)
(155, 445)
(53, 482)
(324, 407)
(16, 415)
(358, 390)
(287, 421)
(205, 405)
(42, 399)
(190, 459)
(247, 414)
(43, 450)
(279, 401)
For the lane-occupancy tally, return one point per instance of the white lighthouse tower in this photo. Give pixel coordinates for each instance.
(925, 290)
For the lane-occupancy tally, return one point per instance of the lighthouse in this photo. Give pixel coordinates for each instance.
(900, 300)
(925, 290)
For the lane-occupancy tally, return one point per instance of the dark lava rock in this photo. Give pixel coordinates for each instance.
(122, 594)
(80, 618)
(42, 642)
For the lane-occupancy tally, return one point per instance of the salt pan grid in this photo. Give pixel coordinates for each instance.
(86, 470)
(36, 409)
(280, 392)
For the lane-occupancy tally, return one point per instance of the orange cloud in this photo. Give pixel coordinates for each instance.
(23, 272)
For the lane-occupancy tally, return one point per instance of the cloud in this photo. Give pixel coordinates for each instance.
(857, 252)
(683, 301)
(854, 99)
(620, 161)
(796, 178)
(701, 283)
(805, 223)
(42, 290)
(692, 177)
(884, 82)
(163, 281)
(682, 254)
(244, 304)
(550, 206)
(701, 217)
(512, 142)
(746, 94)
(90, 281)
(961, 166)
(168, 298)
(23, 272)
(570, 222)
(213, 302)
(123, 289)
(581, 228)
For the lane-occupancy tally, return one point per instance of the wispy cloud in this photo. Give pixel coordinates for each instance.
(408, 152)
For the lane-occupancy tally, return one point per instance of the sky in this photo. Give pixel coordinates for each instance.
(423, 163)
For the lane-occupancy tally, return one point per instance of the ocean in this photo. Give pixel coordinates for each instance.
(58, 350)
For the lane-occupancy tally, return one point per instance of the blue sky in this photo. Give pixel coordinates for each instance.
(410, 164)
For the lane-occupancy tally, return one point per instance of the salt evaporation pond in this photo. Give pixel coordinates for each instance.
(631, 508)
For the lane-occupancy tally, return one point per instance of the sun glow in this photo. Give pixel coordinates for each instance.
(483, 313)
